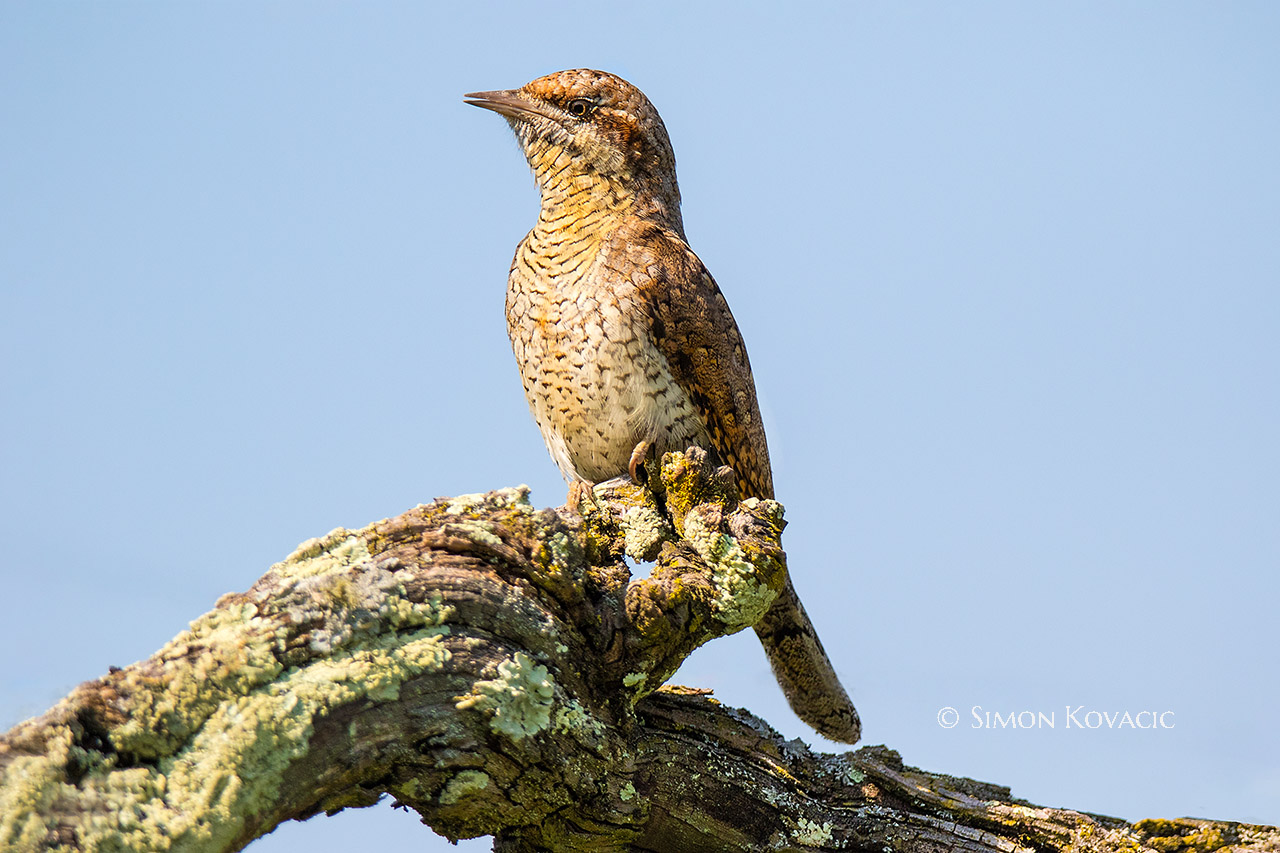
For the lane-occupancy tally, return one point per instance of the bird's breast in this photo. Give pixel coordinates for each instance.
(595, 382)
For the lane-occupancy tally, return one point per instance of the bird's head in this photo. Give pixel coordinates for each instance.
(584, 123)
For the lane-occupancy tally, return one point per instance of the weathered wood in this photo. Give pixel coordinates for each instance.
(494, 667)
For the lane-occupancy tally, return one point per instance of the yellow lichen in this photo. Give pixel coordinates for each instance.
(1181, 836)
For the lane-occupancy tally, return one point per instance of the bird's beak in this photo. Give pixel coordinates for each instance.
(509, 103)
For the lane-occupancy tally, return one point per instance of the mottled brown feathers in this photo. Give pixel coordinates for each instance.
(691, 324)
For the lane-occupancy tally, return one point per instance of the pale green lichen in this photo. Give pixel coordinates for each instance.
(842, 769)
(463, 785)
(516, 496)
(336, 549)
(565, 550)
(267, 732)
(560, 560)
(644, 531)
(172, 703)
(740, 598)
(627, 792)
(480, 532)
(772, 511)
(26, 792)
(573, 719)
(570, 716)
(402, 613)
(189, 686)
(201, 796)
(632, 679)
(810, 833)
(347, 608)
(215, 717)
(519, 700)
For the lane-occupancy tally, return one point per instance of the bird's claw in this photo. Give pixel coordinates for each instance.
(635, 467)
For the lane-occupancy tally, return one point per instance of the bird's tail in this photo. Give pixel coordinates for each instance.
(804, 671)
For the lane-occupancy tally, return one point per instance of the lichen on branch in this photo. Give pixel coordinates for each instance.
(497, 668)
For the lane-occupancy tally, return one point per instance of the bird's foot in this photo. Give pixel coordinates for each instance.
(579, 491)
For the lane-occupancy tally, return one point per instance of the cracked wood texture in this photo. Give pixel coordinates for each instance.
(495, 668)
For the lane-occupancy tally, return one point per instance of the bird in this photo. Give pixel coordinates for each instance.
(625, 343)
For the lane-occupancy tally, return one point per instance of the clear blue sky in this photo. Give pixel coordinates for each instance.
(1009, 274)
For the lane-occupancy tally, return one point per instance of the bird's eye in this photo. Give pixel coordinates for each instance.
(579, 107)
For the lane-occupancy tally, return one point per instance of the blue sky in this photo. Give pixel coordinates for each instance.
(1007, 273)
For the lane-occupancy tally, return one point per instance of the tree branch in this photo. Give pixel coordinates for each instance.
(494, 667)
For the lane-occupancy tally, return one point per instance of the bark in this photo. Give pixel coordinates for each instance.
(495, 668)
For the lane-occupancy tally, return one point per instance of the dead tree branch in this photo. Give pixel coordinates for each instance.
(494, 667)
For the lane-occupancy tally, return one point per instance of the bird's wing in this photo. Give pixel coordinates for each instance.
(692, 326)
